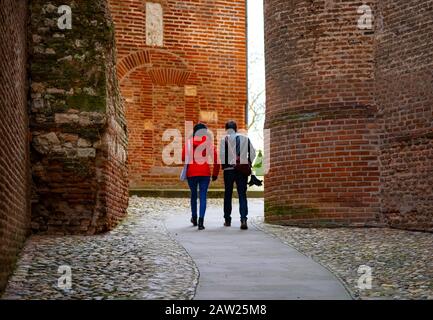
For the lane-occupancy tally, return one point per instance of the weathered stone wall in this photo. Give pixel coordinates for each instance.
(77, 121)
(193, 68)
(14, 150)
(404, 91)
(321, 112)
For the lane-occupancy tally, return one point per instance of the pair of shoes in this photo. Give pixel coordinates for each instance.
(228, 222)
(201, 224)
(244, 225)
(194, 221)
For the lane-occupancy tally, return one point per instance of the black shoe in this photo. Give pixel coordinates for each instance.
(200, 224)
(194, 222)
(244, 225)
(255, 181)
(228, 223)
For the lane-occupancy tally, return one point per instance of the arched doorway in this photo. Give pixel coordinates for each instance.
(153, 83)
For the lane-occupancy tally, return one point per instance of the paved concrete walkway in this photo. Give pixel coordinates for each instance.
(242, 265)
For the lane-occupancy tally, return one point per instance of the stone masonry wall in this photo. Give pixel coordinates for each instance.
(77, 121)
(404, 92)
(14, 150)
(321, 112)
(193, 68)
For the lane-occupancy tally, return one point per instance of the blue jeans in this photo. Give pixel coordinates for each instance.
(203, 184)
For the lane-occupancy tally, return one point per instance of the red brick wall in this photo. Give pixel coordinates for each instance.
(404, 90)
(204, 46)
(351, 113)
(321, 112)
(14, 155)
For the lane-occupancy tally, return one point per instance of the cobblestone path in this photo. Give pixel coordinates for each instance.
(401, 262)
(137, 260)
(140, 259)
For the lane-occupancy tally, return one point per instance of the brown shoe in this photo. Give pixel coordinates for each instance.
(228, 223)
(194, 222)
(244, 225)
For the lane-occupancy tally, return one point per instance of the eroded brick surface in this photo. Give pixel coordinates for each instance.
(14, 154)
(351, 113)
(77, 121)
(404, 93)
(321, 112)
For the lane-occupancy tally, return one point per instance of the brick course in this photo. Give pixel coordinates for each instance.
(321, 112)
(350, 110)
(14, 150)
(351, 114)
(404, 93)
(204, 49)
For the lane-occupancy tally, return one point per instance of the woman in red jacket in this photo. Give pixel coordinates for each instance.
(201, 153)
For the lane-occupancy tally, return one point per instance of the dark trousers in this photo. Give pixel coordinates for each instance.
(203, 184)
(231, 177)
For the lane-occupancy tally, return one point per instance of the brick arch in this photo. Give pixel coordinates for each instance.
(131, 62)
(163, 67)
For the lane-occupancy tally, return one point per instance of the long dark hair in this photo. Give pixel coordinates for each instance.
(199, 127)
(201, 130)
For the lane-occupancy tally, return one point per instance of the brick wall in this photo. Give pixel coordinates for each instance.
(321, 112)
(404, 91)
(14, 155)
(77, 121)
(199, 73)
(351, 113)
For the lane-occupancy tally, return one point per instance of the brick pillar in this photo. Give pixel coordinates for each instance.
(77, 121)
(14, 149)
(321, 112)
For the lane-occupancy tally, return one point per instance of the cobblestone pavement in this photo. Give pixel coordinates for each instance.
(401, 261)
(137, 260)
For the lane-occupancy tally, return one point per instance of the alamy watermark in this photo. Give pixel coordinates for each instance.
(65, 21)
(64, 282)
(365, 21)
(365, 280)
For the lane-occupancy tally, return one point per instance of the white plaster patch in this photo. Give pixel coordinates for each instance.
(154, 24)
(191, 91)
(209, 116)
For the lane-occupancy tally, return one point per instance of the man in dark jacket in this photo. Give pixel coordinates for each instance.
(235, 149)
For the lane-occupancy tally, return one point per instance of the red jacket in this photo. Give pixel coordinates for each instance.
(202, 169)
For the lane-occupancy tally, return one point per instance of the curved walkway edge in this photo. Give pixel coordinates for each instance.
(250, 265)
